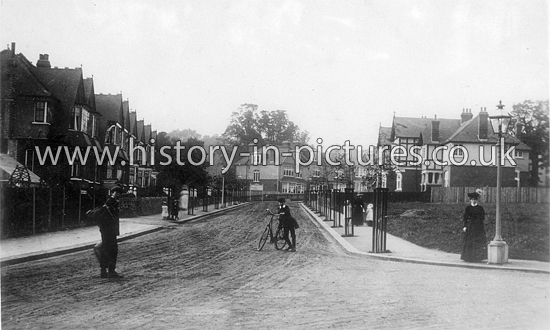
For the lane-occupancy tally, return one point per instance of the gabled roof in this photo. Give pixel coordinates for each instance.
(126, 114)
(133, 123)
(384, 134)
(408, 127)
(468, 133)
(110, 106)
(25, 83)
(447, 127)
(140, 132)
(66, 84)
(89, 93)
(147, 133)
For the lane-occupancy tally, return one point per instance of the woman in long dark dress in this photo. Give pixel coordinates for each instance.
(475, 239)
(357, 211)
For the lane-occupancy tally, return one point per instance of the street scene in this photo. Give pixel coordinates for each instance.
(255, 163)
(209, 274)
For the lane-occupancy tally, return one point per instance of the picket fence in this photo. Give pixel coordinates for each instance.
(508, 194)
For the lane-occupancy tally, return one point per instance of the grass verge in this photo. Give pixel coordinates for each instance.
(525, 227)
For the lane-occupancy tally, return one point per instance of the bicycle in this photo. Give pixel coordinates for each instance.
(277, 239)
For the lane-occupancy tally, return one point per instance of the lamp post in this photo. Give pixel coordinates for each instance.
(223, 188)
(498, 249)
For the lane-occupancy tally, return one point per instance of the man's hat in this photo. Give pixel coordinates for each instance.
(281, 200)
(473, 195)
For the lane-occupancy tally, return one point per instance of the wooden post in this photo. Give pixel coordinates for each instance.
(50, 209)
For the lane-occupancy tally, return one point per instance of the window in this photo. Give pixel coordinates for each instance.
(299, 175)
(139, 181)
(29, 159)
(430, 177)
(132, 175)
(316, 172)
(256, 176)
(85, 119)
(288, 171)
(398, 182)
(109, 170)
(299, 188)
(257, 158)
(518, 154)
(41, 112)
(146, 179)
(459, 152)
(285, 187)
(95, 126)
(75, 170)
(76, 119)
(292, 188)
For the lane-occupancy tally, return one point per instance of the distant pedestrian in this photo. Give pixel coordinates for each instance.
(475, 239)
(358, 211)
(369, 215)
(107, 250)
(289, 225)
(175, 209)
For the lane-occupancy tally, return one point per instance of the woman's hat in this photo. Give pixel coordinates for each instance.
(116, 188)
(473, 195)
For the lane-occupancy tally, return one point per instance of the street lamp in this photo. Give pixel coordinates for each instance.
(498, 249)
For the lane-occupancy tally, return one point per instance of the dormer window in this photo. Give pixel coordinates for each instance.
(518, 154)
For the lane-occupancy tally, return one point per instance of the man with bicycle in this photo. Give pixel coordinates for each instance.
(288, 223)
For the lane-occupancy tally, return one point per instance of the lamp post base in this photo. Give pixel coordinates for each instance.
(497, 252)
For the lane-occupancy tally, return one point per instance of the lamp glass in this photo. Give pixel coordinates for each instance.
(500, 123)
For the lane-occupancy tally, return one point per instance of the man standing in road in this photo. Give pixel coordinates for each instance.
(288, 224)
(107, 252)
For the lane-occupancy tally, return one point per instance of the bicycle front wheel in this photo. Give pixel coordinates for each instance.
(263, 238)
(280, 242)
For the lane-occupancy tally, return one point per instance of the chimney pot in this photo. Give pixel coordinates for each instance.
(44, 61)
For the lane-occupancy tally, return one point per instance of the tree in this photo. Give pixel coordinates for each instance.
(268, 127)
(175, 175)
(533, 119)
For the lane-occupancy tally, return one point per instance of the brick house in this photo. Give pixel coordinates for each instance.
(479, 140)
(48, 107)
(270, 178)
(112, 129)
(429, 143)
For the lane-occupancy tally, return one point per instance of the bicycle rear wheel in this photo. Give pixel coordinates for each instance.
(279, 239)
(263, 238)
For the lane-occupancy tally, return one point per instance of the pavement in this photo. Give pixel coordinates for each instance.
(23, 249)
(405, 251)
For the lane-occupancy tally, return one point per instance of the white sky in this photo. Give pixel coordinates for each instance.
(339, 68)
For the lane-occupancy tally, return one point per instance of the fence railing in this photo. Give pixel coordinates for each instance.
(508, 194)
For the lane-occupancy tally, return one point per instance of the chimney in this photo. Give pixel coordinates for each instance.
(435, 129)
(483, 124)
(44, 61)
(466, 115)
(13, 48)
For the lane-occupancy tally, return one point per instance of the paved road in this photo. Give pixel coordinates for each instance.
(208, 274)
